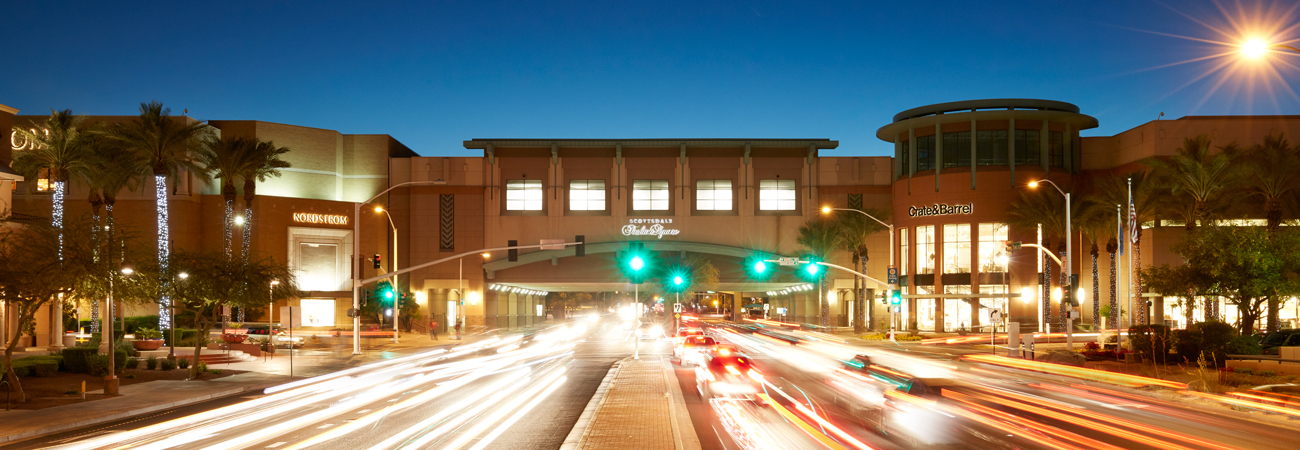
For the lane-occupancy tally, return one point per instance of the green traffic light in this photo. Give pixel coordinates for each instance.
(760, 267)
(813, 268)
(388, 294)
(636, 263)
(677, 280)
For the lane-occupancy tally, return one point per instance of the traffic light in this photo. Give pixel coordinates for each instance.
(635, 262)
(580, 250)
(811, 270)
(378, 261)
(512, 255)
(895, 297)
(1011, 246)
(757, 267)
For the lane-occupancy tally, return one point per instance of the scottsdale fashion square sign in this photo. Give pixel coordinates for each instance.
(650, 227)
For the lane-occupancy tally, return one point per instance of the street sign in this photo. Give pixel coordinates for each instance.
(766, 307)
(552, 244)
(995, 316)
(893, 275)
(677, 307)
(353, 312)
(290, 317)
(788, 261)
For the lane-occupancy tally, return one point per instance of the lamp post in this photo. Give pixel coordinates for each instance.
(270, 303)
(171, 349)
(356, 262)
(892, 250)
(396, 297)
(1069, 235)
(111, 381)
(1257, 48)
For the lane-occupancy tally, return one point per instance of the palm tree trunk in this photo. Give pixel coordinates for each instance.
(1113, 319)
(865, 306)
(228, 193)
(1063, 308)
(1046, 282)
(1096, 294)
(1273, 213)
(1139, 303)
(60, 187)
(164, 244)
(821, 299)
(96, 204)
(250, 192)
(857, 297)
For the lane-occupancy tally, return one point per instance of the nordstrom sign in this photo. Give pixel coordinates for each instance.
(330, 219)
(940, 209)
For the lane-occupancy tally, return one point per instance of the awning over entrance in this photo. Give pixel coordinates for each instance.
(625, 287)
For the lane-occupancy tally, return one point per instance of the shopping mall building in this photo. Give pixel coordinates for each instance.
(956, 169)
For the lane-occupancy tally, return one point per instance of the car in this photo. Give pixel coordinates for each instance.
(683, 332)
(725, 372)
(263, 333)
(857, 385)
(1273, 342)
(907, 411)
(692, 349)
(649, 330)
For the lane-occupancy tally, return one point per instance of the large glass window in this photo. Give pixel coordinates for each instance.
(925, 248)
(776, 195)
(1028, 152)
(956, 248)
(925, 153)
(956, 149)
(1056, 149)
(650, 195)
(956, 311)
(524, 195)
(586, 195)
(991, 148)
(713, 195)
(993, 237)
(902, 251)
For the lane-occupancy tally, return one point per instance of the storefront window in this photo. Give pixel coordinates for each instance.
(1027, 148)
(956, 248)
(587, 195)
(317, 312)
(998, 303)
(650, 195)
(956, 149)
(523, 195)
(924, 153)
(924, 309)
(925, 249)
(319, 257)
(713, 195)
(902, 251)
(956, 311)
(776, 195)
(993, 237)
(991, 148)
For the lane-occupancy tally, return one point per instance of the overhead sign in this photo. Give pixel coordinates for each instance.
(328, 219)
(788, 261)
(940, 209)
(650, 227)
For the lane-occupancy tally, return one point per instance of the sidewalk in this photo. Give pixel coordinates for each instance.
(144, 398)
(639, 405)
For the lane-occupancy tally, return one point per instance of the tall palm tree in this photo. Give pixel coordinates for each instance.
(166, 146)
(1272, 176)
(1094, 223)
(263, 162)
(1046, 209)
(1196, 174)
(1112, 247)
(1149, 198)
(819, 238)
(855, 230)
(60, 147)
(108, 170)
(226, 158)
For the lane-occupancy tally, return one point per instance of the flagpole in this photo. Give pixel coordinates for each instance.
(1132, 231)
(1119, 302)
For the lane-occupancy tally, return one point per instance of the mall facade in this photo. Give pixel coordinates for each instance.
(956, 169)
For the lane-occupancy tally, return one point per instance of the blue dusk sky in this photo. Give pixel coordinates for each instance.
(434, 74)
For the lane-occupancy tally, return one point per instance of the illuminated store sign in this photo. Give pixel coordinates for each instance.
(328, 219)
(940, 209)
(650, 227)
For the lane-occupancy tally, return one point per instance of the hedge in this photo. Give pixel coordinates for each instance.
(1205, 338)
(1151, 341)
(37, 366)
(74, 359)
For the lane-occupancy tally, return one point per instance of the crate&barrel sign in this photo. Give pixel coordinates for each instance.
(940, 209)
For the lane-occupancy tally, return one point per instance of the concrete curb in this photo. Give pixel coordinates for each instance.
(123, 415)
(683, 432)
(574, 440)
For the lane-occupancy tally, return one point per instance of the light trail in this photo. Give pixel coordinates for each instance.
(496, 416)
(518, 415)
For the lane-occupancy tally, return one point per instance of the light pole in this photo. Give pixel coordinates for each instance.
(270, 303)
(1069, 239)
(396, 296)
(111, 381)
(171, 349)
(892, 250)
(1256, 48)
(356, 261)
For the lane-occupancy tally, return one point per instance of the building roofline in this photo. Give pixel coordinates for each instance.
(992, 103)
(821, 144)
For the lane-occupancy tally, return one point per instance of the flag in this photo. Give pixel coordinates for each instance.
(1132, 216)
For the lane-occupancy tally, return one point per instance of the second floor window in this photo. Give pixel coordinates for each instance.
(586, 195)
(523, 195)
(924, 153)
(713, 195)
(776, 195)
(649, 195)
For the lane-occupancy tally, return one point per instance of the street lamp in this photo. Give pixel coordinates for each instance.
(270, 303)
(171, 349)
(827, 210)
(1255, 48)
(111, 381)
(396, 298)
(1069, 232)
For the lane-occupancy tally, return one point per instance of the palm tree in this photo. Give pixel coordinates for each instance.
(166, 146)
(1112, 247)
(225, 158)
(263, 162)
(1094, 222)
(1046, 209)
(1148, 199)
(820, 238)
(1197, 175)
(61, 147)
(1272, 176)
(108, 171)
(855, 229)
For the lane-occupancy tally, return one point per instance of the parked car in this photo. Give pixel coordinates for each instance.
(1276, 340)
(263, 333)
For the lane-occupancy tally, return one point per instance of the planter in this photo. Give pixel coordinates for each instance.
(234, 338)
(147, 344)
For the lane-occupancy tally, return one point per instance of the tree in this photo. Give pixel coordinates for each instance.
(1147, 200)
(109, 170)
(60, 147)
(1244, 266)
(855, 230)
(216, 280)
(819, 238)
(32, 275)
(263, 162)
(1034, 209)
(226, 158)
(1272, 176)
(166, 146)
(1194, 175)
(1095, 224)
(1182, 280)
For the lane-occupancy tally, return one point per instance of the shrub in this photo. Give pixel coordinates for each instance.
(202, 366)
(148, 333)
(1244, 371)
(167, 364)
(135, 323)
(74, 359)
(1244, 345)
(215, 371)
(1205, 338)
(37, 366)
(120, 360)
(151, 363)
(133, 363)
(98, 365)
(95, 340)
(1266, 373)
(183, 362)
(1151, 341)
(1091, 346)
